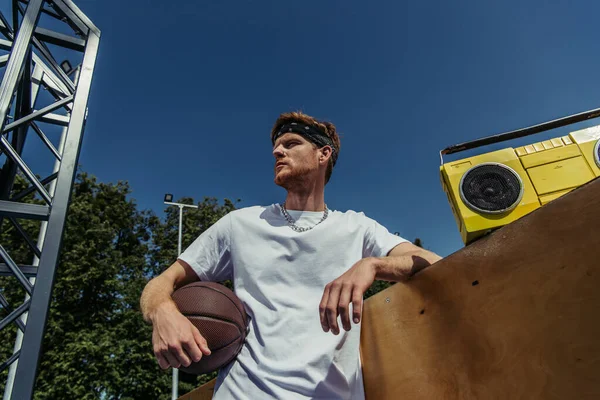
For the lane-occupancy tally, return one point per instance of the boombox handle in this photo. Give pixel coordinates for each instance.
(571, 119)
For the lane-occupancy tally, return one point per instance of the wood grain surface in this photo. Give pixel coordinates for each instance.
(515, 315)
(204, 392)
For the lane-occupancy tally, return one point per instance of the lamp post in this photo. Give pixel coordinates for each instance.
(169, 200)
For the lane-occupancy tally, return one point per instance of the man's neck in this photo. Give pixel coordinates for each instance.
(305, 201)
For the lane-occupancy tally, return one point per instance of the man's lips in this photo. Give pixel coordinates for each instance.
(279, 164)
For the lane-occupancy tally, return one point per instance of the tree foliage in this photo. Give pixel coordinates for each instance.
(96, 344)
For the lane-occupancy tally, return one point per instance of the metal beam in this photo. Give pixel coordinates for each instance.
(8, 308)
(10, 152)
(13, 209)
(73, 12)
(28, 270)
(55, 119)
(21, 107)
(46, 141)
(35, 44)
(5, 44)
(16, 271)
(17, 58)
(25, 236)
(16, 313)
(49, 75)
(36, 79)
(6, 30)
(15, 13)
(37, 115)
(40, 302)
(47, 11)
(51, 13)
(59, 39)
(32, 189)
(52, 62)
(11, 360)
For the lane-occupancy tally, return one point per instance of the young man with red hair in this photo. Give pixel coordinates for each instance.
(301, 271)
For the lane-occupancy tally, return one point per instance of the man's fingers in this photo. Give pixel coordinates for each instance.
(192, 348)
(344, 305)
(182, 357)
(331, 310)
(201, 342)
(171, 359)
(323, 309)
(162, 361)
(357, 302)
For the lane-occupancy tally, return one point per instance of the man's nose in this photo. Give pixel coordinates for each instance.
(278, 151)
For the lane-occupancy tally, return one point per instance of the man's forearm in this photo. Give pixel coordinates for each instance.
(402, 268)
(156, 294)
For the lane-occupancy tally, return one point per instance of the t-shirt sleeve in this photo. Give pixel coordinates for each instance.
(210, 254)
(378, 240)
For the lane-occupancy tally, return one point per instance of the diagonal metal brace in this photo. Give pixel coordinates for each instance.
(11, 360)
(25, 236)
(12, 153)
(32, 189)
(8, 308)
(16, 313)
(16, 271)
(38, 114)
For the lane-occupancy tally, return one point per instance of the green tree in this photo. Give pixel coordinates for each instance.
(96, 344)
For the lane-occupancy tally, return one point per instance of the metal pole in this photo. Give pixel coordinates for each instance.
(175, 380)
(180, 227)
(36, 262)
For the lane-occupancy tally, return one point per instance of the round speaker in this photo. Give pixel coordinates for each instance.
(597, 153)
(491, 188)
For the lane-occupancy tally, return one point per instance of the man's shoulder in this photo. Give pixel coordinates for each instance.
(353, 217)
(351, 214)
(251, 211)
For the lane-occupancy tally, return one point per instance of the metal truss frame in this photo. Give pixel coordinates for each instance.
(31, 67)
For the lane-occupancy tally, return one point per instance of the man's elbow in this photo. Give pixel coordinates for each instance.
(423, 259)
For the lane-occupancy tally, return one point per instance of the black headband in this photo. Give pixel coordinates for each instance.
(311, 133)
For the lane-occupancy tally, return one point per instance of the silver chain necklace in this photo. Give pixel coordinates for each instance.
(292, 224)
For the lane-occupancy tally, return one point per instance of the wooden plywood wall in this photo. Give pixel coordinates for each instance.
(204, 392)
(515, 315)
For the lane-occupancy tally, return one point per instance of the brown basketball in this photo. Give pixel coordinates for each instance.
(221, 319)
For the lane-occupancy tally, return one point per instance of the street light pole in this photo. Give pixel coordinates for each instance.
(180, 225)
(168, 200)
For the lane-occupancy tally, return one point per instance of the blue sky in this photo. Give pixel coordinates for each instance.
(185, 93)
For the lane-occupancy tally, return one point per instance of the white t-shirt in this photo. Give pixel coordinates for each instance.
(280, 275)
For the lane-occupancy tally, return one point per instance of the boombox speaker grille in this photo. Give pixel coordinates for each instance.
(491, 188)
(597, 153)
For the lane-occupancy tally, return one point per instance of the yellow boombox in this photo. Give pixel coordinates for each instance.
(491, 190)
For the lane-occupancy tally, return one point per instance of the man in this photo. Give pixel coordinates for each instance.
(300, 269)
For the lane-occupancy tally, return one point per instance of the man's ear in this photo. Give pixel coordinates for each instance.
(325, 154)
